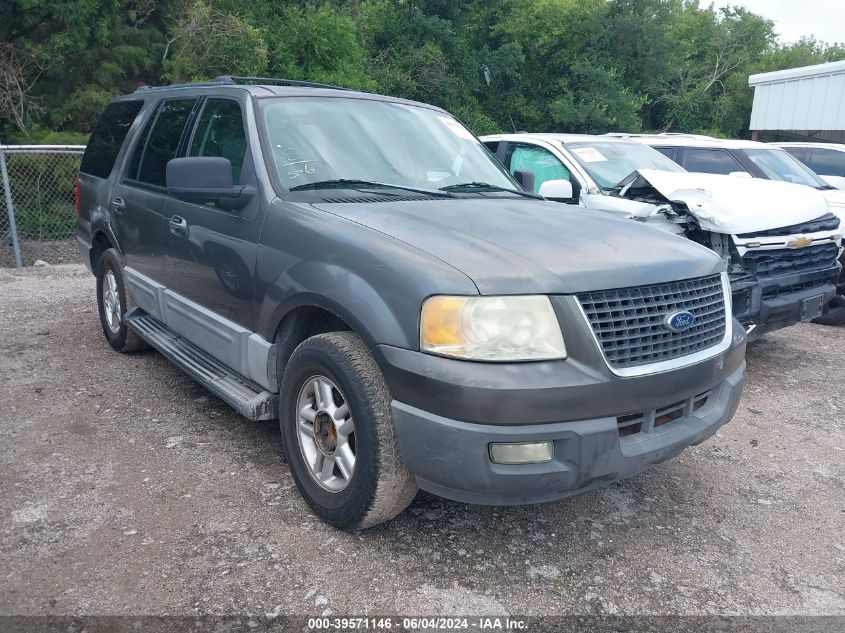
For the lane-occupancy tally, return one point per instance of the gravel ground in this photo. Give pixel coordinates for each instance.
(125, 488)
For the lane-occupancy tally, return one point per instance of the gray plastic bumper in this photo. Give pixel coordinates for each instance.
(450, 458)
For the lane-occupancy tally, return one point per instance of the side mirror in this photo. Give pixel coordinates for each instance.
(556, 190)
(525, 177)
(740, 174)
(204, 179)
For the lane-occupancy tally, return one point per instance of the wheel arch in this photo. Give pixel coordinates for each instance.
(102, 239)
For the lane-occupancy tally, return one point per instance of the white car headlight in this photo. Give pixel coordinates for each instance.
(507, 328)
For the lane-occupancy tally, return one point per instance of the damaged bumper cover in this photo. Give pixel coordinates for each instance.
(771, 304)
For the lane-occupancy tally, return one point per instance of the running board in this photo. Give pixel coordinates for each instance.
(249, 399)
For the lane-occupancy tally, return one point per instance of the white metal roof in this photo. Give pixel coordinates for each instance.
(834, 146)
(811, 98)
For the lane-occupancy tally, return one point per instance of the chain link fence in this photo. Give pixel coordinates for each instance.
(37, 206)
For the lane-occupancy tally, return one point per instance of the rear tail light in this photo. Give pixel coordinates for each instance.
(76, 197)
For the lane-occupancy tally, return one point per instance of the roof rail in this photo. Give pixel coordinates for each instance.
(272, 81)
(193, 84)
(231, 80)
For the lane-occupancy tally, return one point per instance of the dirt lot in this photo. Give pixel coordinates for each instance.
(125, 488)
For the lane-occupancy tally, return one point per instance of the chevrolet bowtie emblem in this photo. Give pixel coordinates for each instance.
(799, 242)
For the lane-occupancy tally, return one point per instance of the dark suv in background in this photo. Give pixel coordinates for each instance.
(362, 268)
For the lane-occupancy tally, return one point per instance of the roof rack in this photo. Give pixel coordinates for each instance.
(272, 81)
(232, 80)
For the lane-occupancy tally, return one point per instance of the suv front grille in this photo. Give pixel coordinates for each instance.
(827, 222)
(784, 261)
(629, 323)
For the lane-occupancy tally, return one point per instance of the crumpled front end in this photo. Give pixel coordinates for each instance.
(780, 242)
(784, 276)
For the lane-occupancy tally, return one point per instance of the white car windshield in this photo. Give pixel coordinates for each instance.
(780, 165)
(326, 142)
(610, 162)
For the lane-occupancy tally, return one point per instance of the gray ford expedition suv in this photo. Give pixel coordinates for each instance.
(363, 269)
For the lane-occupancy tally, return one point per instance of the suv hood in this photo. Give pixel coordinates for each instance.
(513, 246)
(730, 204)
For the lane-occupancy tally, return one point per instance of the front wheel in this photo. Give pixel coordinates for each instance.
(338, 433)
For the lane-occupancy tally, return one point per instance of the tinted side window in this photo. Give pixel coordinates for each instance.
(668, 152)
(827, 162)
(108, 136)
(710, 161)
(163, 141)
(538, 160)
(220, 132)
(799, 152)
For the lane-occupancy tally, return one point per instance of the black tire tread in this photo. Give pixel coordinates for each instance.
(396, 486)
(126, 341)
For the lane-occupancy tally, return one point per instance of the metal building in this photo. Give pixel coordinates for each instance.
(806, 103)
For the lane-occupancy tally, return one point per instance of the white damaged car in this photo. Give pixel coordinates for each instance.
(780, 241)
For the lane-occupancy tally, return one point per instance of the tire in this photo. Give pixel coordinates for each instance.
(378, 486)
(110, 275)
(834, 313)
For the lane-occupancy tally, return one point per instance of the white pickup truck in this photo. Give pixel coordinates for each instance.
(780, 241)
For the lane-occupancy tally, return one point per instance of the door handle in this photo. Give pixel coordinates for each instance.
(178, 226)
(118, 204)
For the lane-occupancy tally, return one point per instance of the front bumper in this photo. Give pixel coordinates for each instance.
(777, 302)
(451, 458)
(447, 412)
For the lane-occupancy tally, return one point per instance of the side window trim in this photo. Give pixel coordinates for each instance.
(196, 117)
(144, 138)
(190, 127)
(502, 153)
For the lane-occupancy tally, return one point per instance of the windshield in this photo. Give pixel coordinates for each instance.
(315, 140)
(780, 165)
(610, 162)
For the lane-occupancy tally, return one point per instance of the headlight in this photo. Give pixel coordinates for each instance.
(491, 328)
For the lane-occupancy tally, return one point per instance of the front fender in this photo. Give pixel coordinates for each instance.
(344, 294)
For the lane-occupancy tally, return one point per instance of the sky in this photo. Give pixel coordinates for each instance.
(823, 19)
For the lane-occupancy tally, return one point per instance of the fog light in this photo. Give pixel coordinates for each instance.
(525, 453)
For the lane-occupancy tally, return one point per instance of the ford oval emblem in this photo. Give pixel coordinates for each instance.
(679, 321)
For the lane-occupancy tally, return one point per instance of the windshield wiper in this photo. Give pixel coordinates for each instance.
(478, 186)
(351, 183)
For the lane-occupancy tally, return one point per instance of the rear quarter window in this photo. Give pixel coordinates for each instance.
(710, 161)
(108, 137)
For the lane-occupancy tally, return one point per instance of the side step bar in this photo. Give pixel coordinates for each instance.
(249, 399)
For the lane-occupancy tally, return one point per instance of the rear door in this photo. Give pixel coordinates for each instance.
(98, 162)
(139, 198)
(211, 252)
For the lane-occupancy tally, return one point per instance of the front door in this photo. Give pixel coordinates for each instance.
(210, 253)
